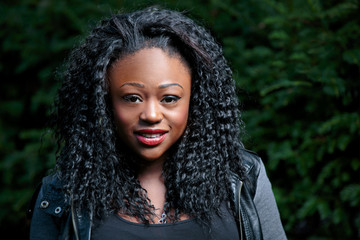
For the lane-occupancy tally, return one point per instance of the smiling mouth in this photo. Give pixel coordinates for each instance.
(151, 137)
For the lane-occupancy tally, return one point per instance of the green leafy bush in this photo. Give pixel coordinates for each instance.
(296, 64)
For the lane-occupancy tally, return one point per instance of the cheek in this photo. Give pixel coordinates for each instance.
(180, 119)
(122, 120)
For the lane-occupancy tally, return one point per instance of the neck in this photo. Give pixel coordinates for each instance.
(150, 170)
(151, 179)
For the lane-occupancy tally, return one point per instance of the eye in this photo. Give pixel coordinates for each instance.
(170, 99)
(132, 98)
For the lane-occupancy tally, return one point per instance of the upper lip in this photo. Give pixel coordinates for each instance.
(151, 131)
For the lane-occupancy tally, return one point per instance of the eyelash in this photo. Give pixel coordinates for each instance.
(167, 99)
(130, 98)
(172, 98)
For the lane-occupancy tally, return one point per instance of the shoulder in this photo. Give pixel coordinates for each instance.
(252, 164)
(48, 209)
(51, 198)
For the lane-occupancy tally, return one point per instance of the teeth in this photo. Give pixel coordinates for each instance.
(151, 135)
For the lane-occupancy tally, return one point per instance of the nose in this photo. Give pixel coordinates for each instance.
(151, 112)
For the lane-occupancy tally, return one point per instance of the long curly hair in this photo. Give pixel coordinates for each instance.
(98, 171)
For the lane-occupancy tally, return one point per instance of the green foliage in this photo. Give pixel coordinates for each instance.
(299, 66)
(35, 38)
(296, 64)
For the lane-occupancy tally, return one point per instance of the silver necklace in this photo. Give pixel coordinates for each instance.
(162, 219)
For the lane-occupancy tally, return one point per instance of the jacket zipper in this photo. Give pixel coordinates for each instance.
(73, 221)
(240, 227)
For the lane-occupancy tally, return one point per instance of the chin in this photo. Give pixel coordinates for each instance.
(152, 158)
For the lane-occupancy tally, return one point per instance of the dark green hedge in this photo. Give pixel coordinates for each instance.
(296, 64)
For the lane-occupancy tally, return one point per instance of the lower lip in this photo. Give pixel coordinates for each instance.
(151, 141)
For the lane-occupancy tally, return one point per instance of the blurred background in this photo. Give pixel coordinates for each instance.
(296, 65)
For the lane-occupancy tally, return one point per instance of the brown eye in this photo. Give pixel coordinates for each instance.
(170, 99)
(132, 98)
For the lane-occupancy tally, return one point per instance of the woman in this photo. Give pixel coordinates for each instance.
(149, 125)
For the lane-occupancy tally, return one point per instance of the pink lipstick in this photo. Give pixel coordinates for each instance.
(151, 137)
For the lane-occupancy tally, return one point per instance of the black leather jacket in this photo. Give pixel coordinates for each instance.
(73, 224)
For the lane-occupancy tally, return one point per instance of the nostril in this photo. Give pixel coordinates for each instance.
(151, 112)
(151, 117)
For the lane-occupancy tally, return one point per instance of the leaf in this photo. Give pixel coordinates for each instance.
(11, 108)
(355, 164)
(283, 84)
(279, 35)
(299, 56)
(352, 56)
(315, 5)
(351, 194)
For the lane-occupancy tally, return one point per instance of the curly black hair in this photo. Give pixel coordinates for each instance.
(96, 168)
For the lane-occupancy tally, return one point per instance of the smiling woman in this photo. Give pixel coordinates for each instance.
(149, 123)
(150, 93)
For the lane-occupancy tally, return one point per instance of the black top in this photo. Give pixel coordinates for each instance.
(53, 218)
(115, 227)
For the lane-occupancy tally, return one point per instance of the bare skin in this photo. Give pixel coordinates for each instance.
(150, 93)
(152, 180)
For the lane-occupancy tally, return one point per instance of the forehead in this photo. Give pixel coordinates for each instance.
(152, 54)
(150, 65)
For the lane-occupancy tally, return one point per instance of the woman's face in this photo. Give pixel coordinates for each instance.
(150, 93)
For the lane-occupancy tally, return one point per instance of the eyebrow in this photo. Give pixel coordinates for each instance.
(169, 85)
(133, 84)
